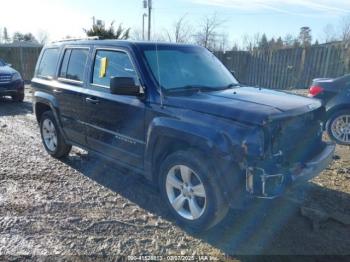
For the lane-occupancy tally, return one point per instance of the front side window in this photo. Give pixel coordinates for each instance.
(179, 68)
(73, 64)
(114, 64)
(48, 63)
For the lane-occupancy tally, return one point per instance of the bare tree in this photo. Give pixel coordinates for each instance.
(223, 42)
(345, 29)
(235, 46)
(207, 33)
(329, 34)
(250, 43)
(288, 40)
(42, 37)
(181, 31)
(136, 34)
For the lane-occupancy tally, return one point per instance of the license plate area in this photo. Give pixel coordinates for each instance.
(262, 185)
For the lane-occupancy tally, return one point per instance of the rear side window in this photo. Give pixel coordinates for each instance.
(73, 64)
(48, 63)
(118, 65)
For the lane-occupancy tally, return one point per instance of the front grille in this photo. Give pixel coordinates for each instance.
(5, 79)
(298, 138)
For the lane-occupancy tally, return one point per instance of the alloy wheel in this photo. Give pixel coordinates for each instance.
(341, 128)
(186, 192)
(49, 135)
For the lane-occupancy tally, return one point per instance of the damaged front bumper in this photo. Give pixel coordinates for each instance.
(261, 184)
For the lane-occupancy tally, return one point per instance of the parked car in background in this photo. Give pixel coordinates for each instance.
(335, 95)
(175, 114)
(11, 82)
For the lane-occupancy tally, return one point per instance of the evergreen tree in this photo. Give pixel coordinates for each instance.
(272, 43)
(263, 44)
(279, 43)
(108, 33)
(6, 37)
(305, 37)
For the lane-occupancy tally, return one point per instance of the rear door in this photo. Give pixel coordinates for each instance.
(116, 122)
(69, 91)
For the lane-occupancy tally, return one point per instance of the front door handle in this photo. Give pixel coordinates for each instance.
(92, 100)
(56, 91)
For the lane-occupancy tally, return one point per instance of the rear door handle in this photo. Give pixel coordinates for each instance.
(92, 100)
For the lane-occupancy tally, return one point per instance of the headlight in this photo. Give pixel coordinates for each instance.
(254, 143)
(16, 76)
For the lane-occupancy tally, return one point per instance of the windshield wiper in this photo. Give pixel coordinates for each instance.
(201, 88)
(232, 85)
(190, 88)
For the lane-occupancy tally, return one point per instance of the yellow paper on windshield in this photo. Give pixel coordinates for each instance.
(103, 67)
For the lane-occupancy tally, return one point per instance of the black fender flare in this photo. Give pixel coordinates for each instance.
(339, 102)
(50, 101)
(209, 141)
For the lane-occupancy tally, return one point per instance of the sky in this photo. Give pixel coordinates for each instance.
(59, 18)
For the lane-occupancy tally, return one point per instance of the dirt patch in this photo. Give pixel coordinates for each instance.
(88, 206)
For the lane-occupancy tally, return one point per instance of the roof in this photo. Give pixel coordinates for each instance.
(126, 43)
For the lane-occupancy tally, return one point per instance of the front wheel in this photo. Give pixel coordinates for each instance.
(52, 138)
(192, 194)
(338, 127)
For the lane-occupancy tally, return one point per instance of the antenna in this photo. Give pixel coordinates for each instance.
(159, 78)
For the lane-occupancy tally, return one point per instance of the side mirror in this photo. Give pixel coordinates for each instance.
(9, 65)
(124, 86)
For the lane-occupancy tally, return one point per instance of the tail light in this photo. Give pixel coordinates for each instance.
(315, 90)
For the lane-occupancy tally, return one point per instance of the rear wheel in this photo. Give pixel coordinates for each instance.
(338, 127)
(188, 185)
(52, 138)
(18, 97)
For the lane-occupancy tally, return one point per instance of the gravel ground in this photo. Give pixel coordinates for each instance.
(88, 206)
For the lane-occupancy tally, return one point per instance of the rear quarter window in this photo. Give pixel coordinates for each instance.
(48, 63)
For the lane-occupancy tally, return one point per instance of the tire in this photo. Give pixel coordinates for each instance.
(18, 97)
(212, 207)
(338, 127)
(52, 138)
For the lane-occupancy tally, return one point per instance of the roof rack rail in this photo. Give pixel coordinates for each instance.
(76, 39)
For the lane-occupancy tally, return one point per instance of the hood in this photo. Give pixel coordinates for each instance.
(6, 70)
(246, 104)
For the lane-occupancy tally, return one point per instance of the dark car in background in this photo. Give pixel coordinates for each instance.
(335, 95)
(11, 82)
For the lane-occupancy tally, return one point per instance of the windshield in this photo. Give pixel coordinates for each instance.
(185, 68)
(2, 63)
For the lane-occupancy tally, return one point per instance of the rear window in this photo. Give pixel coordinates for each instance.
(48, 63)
(73, 65)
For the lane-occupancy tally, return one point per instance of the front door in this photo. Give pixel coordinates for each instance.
(116, 123)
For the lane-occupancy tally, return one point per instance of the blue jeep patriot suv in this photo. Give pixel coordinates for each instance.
(176, 115)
